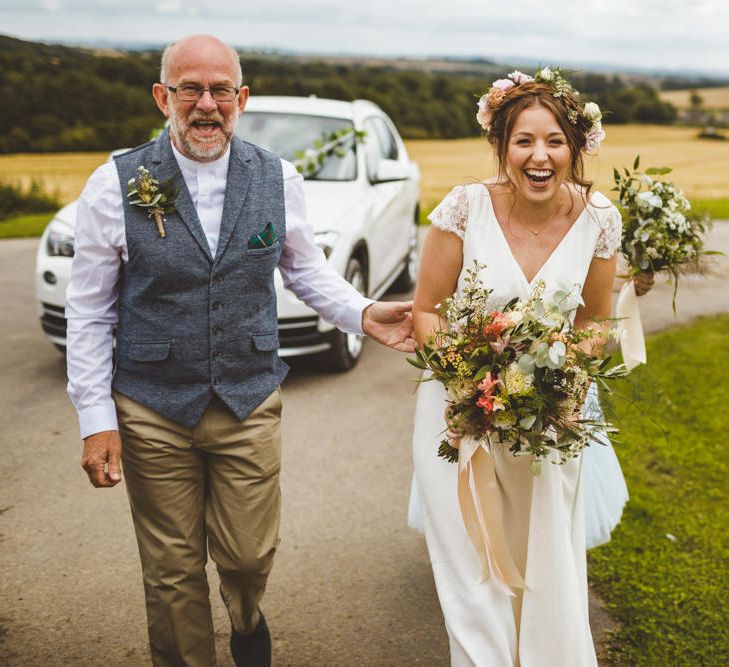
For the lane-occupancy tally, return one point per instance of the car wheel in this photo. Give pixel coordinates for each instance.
(406, 280)
(346, 349)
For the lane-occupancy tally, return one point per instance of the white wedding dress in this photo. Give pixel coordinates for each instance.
(546, 624)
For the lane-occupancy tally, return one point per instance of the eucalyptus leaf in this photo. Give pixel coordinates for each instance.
(557, 353)
(528, 421)
(526, 364)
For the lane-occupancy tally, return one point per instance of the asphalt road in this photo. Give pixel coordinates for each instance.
(351, 586)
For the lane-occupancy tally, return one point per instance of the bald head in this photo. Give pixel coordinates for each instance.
(199, 48)
(201, 94)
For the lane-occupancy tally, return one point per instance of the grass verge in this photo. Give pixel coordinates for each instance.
(24, 225)
(665, 574)
(718, 209)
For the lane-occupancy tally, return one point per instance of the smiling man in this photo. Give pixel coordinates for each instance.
(193, 405)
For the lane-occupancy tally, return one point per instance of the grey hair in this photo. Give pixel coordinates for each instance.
(164, 69)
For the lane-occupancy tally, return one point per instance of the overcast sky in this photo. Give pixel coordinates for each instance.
(647, 34)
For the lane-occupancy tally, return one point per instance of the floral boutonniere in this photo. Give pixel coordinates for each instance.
(158, 198)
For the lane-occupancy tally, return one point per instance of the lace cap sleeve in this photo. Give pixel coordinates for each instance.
(611, 229)
(451, 214)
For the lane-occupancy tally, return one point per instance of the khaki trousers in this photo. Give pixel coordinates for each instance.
(212, 487)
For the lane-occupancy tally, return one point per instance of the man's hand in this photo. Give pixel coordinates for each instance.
(101, 458)
(390, 323)
(643, 282)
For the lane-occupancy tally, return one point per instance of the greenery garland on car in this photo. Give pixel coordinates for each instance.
(310, 161)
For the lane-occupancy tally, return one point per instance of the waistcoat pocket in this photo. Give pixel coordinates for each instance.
(266, 342)
(260, 253)
(150, 351)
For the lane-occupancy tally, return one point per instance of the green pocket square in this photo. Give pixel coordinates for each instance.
(264, 239)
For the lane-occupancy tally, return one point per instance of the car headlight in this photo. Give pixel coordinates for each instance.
(59, 243)
(326, 241)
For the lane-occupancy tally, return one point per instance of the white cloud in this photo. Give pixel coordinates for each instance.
(169, 7)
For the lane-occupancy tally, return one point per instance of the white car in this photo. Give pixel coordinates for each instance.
(362, 202)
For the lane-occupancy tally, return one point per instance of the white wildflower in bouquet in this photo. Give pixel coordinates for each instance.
(515, 375)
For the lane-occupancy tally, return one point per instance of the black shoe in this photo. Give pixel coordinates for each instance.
(253, 650)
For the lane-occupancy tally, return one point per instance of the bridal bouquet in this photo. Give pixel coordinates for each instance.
(515, 375)
(660, 232)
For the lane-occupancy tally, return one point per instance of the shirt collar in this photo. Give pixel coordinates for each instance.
(217, 167)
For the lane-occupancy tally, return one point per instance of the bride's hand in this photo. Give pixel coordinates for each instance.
(643, 282)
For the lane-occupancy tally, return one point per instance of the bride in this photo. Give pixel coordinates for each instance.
(538, 221)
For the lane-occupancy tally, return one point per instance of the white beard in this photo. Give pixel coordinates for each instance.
(196, 150)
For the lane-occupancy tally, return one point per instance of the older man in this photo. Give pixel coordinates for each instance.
(193, 404)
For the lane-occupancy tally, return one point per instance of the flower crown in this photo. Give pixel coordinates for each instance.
(499, 92)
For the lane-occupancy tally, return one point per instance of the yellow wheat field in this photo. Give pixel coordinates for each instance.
(712, 98)
(701, 167)
(65, 173)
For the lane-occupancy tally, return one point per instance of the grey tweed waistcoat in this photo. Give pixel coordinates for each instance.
(191, 325)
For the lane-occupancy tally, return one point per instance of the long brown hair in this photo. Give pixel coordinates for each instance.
(566, 106)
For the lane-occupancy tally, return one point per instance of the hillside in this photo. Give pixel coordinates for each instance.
(90, 100)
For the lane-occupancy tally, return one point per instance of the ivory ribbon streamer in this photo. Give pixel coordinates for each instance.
(632, 340)
(478, 496)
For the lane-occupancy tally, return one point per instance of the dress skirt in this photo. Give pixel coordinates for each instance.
(544, 625)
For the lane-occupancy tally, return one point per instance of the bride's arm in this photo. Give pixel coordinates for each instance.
(597, 295)
(440, 266)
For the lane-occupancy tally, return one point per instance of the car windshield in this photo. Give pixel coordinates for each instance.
(287, 134)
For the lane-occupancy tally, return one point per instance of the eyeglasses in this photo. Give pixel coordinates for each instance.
(189, 92)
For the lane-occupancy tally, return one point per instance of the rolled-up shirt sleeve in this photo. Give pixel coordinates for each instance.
(91, 300)
(305, 270)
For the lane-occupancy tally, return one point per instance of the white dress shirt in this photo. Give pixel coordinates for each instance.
(101, 250)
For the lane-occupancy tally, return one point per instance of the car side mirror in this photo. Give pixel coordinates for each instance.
(391, 170)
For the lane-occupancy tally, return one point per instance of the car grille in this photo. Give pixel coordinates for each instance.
(298, 332)
(53, 320)
(293, 332)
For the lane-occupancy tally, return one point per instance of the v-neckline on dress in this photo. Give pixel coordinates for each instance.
(528, 282)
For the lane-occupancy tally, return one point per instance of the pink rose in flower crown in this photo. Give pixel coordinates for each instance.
(498, 91)
(520, 77)
(492, 100)
(503, 84)
(594, 137)
(483, 115)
